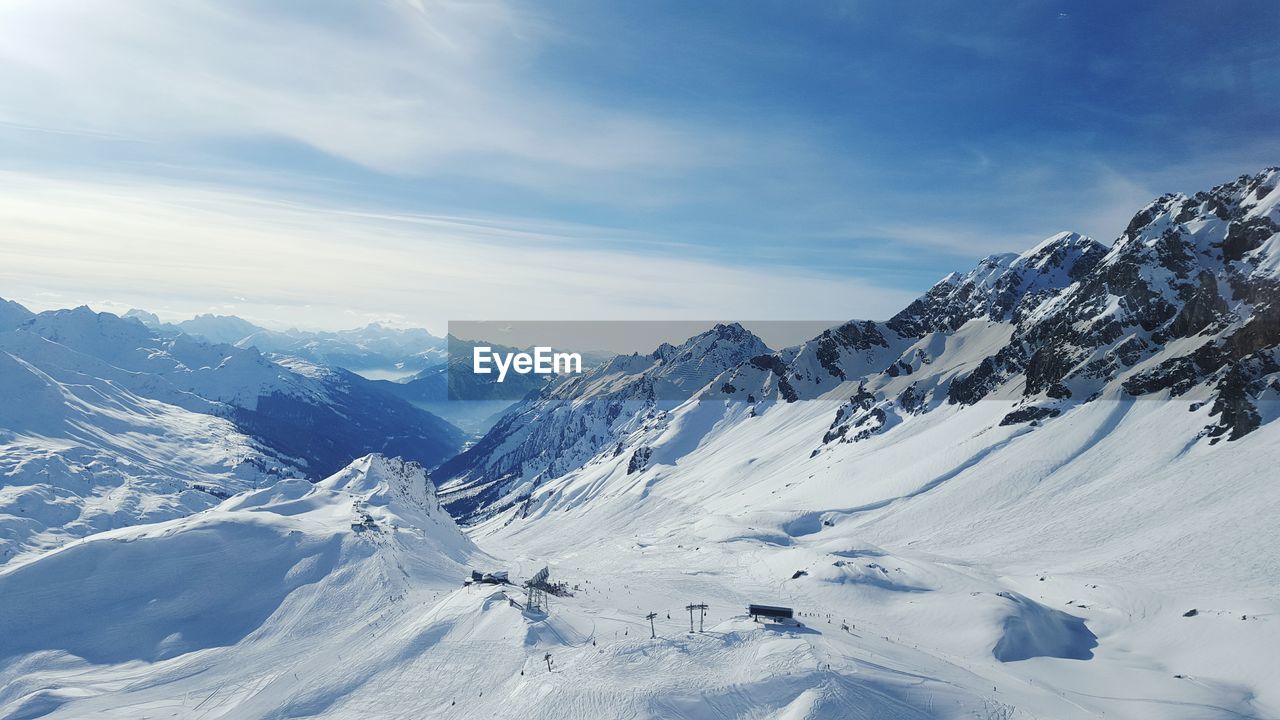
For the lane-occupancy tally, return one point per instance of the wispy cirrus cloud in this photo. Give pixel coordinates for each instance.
(182, 250)
(405, 87)
(886, 144)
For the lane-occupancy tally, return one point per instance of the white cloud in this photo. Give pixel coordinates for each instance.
(400, 87)
(181, 250)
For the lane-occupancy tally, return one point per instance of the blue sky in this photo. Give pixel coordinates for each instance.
(326, 163)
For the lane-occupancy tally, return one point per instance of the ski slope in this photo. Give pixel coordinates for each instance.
(343, 600)
(918, 536)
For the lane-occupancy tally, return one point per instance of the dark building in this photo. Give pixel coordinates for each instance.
(770, 611)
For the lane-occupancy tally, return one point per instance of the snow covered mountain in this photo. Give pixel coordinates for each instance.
(108, 423)
(579, 416)
(332, 565)
(374, 349)
(224, 329)
(1183, 306)
(1083, 427)
(1184, 303)
(12, 314)
(1078, 427)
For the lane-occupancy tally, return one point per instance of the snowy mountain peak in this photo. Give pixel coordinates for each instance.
(11, 314)
(733, 332)
(90, 331)
(227, 329)
(149, 319)
(380, 480)
(1063, 250)
(694, 362)
(997, 280)
(731, 336)
(1197, 268)
(1065, 238)
(996, 287)
(1221, 224)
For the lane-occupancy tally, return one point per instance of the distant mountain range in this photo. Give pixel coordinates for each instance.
(373, 349)
(451, 390)
(108, 422)
(429, 372)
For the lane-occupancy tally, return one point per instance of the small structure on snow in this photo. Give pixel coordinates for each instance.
(497, 577)
(702, 609)
(770, 611)
(538, 587)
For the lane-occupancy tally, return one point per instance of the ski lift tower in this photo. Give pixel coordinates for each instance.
(537, 589)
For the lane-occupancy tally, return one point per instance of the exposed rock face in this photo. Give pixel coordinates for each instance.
(639, 460)
(837, 355)
(1198, 269)
(1187, 300)
(1002, 287)
(1030, 413)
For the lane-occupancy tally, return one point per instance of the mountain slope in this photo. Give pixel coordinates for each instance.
(1108, 518)
(82, 455)
(341, 599)
(315, 566)
(576, 418)
(108, 423)
(354, 415)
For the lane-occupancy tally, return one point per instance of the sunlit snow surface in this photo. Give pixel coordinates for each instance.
(931, 548)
